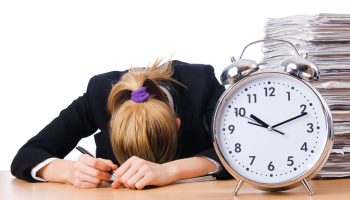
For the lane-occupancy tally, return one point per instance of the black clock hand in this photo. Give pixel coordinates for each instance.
(257, 124)
(259, 121)
(261, 125)
(278, 131)
(291, 119)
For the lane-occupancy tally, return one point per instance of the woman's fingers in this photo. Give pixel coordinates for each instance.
(125, 166)
(87, 178)
(86, 169)
(142, 183)
(90, 172)
(116, 184)
(127, 170)
(110, 163)
(127, 175)
(137, 181)
(96, 163)
(136, 178)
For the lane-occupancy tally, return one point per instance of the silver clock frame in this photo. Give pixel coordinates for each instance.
(294, 182)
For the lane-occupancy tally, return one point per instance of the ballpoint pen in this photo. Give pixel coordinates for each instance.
(84, 151)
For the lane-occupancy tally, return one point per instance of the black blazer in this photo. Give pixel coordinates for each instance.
(88, 114)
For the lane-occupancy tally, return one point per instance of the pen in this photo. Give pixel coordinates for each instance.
(84, 151)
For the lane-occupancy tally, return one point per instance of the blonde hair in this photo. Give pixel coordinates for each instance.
(148, 129)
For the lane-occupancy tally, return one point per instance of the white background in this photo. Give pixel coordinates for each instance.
(50, 49)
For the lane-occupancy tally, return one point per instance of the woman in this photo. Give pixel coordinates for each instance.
(154, 129)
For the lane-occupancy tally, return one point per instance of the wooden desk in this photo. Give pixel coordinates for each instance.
(15, 189)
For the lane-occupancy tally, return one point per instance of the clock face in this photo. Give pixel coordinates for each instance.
(271, 128)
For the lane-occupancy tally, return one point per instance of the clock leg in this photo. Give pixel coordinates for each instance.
(238, 186)
(307, 186)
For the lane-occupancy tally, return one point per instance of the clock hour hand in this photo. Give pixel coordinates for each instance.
(291, 119)
(259, 121)
(263, 124)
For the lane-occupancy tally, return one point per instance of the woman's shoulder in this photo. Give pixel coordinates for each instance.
(180, 66)
(97, 93)
(193, 75)
(100, 85)
(111, 76)
(104, 81)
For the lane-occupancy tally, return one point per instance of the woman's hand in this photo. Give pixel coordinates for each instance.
(137, 173)
(86, 172)
(89, 172)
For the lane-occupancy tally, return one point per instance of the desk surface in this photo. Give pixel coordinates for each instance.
(12, 188)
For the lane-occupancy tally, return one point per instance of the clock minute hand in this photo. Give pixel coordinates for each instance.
(256, 124)
(291, 119)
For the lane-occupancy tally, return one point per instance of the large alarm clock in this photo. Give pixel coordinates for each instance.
(272, 129)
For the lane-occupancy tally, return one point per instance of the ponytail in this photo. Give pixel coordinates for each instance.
(144, 129)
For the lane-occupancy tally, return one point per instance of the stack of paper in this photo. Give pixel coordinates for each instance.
(325, 40)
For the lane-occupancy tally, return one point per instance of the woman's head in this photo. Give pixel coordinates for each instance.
(140, 125)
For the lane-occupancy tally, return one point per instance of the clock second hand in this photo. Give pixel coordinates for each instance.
(261, 123)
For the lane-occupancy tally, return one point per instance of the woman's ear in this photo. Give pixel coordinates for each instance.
(178, 123)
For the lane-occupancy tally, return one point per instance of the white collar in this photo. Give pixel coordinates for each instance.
(170, 98)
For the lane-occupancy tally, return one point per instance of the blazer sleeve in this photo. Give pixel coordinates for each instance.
(216, 91)
(59, 137)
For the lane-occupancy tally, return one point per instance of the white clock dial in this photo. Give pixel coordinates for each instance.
(271, 128)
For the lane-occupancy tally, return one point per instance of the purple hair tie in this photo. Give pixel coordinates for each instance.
(140, 95)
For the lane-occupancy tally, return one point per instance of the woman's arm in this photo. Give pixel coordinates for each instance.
(190, 167)
(61, 135)
(137, 173)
